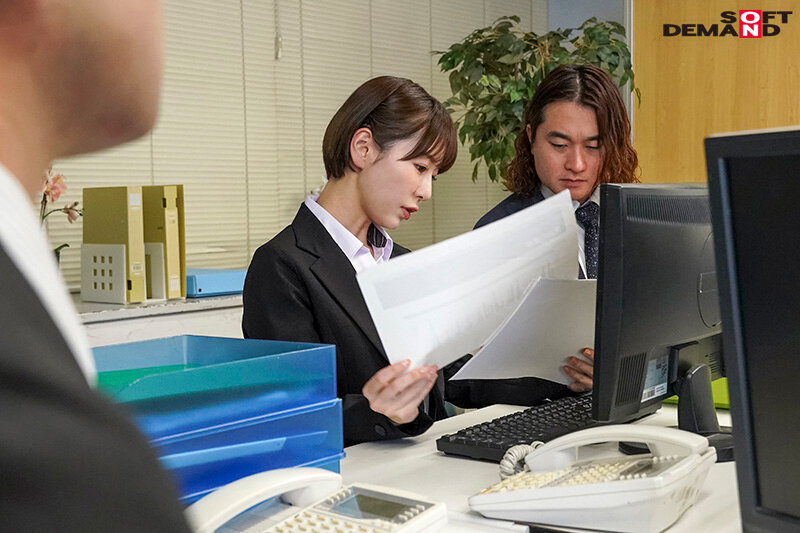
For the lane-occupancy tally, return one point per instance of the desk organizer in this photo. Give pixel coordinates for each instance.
(218, 409)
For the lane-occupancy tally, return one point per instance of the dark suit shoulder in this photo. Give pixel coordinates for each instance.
(508, 206)
(279, 246)
(399, 250)
(71, 460)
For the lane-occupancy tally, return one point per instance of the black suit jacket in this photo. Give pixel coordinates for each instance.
(301, 287)
(69, 459)
(510, 205)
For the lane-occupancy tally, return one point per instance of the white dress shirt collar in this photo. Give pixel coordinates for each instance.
(26, 244)
(357, 253)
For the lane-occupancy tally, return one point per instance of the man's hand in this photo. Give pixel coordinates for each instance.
(581, 371)
(395, 393)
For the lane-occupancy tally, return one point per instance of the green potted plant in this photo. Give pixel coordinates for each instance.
(495, 70)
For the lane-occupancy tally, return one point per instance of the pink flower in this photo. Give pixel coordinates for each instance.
(54, 186)
(72, 212)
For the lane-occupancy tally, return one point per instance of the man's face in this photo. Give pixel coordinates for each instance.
(109, 72)
(566, 149)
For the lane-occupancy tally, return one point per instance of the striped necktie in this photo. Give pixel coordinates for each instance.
(375, 237)
(588, 215)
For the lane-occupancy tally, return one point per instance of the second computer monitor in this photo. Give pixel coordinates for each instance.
(754, 179)
(657, 322)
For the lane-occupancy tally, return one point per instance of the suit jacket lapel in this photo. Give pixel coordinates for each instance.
(335, 272)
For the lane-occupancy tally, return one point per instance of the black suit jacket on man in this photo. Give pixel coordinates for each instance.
(301, 287)
(510, 205)
(69, 459)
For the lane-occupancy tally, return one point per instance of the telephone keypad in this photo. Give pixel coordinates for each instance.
(587, 473)
(310, 521)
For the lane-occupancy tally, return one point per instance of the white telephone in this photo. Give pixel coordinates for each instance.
(627, 494)
(318, 503)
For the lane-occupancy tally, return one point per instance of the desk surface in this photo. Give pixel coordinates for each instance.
(415, 465)
(91, 312)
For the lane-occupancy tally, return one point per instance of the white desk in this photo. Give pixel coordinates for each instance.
(105, 324)
(415, 465)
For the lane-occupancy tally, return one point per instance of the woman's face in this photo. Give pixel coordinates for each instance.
(390, 189)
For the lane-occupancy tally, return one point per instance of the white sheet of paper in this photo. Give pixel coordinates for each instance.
(434, 305)
(553, 321)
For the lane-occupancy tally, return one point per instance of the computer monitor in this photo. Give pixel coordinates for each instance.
(657, 329)
(754, 183)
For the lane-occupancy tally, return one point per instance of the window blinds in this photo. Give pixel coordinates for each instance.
(249, 87)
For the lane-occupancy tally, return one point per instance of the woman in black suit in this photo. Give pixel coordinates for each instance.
(381, 150)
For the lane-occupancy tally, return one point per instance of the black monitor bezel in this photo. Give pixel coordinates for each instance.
(718, 149)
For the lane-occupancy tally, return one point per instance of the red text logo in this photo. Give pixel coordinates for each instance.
(749, 23)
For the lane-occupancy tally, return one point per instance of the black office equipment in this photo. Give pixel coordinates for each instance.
(544, 422)
(657, 331)
(657, 327)
(754, 183)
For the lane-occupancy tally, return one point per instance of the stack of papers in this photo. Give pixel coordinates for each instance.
(507, 291)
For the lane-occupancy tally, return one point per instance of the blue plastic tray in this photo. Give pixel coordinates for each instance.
(218, 409)
(301, 437)
(180, 385)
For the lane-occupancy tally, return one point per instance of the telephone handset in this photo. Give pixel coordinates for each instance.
(322, 504)
(623, 493)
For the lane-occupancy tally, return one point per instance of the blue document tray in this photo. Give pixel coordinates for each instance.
(177, 385)
(217, 409)
(213, 282)
(308, 436)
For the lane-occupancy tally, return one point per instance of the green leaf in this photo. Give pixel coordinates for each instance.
(604, 54)
(474, 74)
(510, 59)
(617, 28)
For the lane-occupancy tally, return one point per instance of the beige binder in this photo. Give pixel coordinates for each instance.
(113, 215)
(164, 224)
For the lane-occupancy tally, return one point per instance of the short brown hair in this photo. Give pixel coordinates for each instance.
(591, 87)
(394, 109)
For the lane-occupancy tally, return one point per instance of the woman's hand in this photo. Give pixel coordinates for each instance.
(581, 371)
(397, 394)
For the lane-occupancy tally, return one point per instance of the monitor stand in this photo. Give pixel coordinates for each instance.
(696, 413)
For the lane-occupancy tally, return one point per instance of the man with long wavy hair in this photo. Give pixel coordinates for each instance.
(576, 136)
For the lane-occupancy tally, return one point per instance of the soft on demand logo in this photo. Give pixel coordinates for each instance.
(752, 23)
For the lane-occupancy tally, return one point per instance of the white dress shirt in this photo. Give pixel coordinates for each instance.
(595, 197)
(26, 244)
(355, 250)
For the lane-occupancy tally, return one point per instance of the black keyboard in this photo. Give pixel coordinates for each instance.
(490, 440)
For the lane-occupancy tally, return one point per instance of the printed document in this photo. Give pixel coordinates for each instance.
(554, 320)
(439, 303)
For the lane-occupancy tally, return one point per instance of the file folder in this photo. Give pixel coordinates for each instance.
(113, 215)
(214, 281)
(163, 212)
